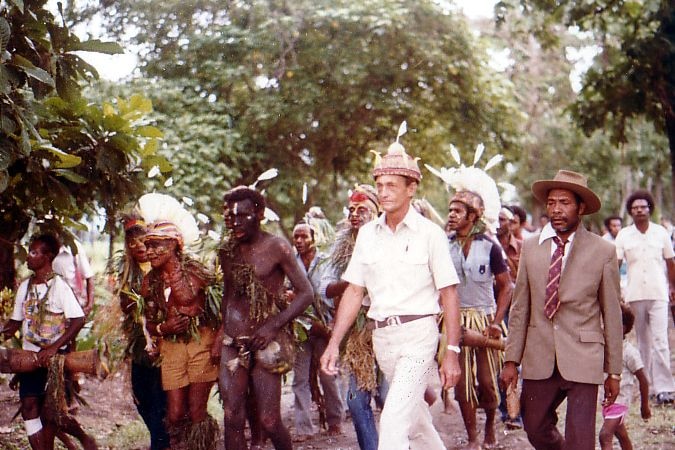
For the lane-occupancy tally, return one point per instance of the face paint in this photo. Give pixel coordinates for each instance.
(243, 220)
(360, 213)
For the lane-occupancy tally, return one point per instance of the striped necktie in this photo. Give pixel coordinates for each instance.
(554, 270)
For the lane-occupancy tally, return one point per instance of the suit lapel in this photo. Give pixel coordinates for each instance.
(542, 259)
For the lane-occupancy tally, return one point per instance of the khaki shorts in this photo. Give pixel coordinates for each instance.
(184, 364)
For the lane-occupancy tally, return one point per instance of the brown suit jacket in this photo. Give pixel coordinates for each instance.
(585, 336)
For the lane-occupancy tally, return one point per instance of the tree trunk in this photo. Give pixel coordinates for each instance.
(7, 270)
(670, 131)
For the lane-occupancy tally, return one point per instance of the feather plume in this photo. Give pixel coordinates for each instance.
(402, 129)
(188, 201)
(378, 158)
(266, 175)
(480, 148)
(455, 154)
(161, 207)
(493, 162)
(304, 193)
(153, 172)
(169, 182)
(433, 171)
(271, 215)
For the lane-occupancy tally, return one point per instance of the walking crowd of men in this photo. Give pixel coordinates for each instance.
(384, 310)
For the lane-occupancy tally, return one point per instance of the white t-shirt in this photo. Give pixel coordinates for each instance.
(631, 364)
(402, 270)
(645, 254)
(64, 265)
(61, 300)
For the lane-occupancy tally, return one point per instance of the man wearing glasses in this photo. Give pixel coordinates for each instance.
(647, 248)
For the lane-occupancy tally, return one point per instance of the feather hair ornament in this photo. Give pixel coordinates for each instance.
(476, 180)
(156, 208)
(266, 175)
(397, 161)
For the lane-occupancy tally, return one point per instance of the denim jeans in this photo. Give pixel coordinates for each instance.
(146, 384)
(358, 402)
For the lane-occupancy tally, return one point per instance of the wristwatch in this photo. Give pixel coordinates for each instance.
(453, 348)
(614, 376)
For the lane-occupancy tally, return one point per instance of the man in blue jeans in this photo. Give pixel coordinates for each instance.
(363, 207)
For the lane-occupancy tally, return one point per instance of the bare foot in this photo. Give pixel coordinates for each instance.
(334, 430)
(474, 445)
(302, 437)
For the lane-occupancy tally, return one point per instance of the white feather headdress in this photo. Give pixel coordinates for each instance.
(474, 179)
(155, 208)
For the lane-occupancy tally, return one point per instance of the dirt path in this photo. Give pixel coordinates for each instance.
(111, 416)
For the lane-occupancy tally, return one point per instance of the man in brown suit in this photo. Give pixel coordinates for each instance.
(565, 320)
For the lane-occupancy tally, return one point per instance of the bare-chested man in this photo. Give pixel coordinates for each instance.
(177, 312)
(254, 345)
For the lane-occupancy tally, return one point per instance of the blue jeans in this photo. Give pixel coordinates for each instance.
(358, 402)
(146, 384)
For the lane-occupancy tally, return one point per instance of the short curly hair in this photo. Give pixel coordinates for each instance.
(640, 195)
(241, 193)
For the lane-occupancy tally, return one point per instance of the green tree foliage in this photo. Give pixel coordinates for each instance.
(60, 157)
(310, 88)
(633, 75)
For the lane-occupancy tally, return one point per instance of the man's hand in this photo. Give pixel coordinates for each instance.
(494, 331)
(450, 370)
(329, 359)
(611, 391)
(319, 330)
(216, 349)
(175, 325)
(263, 336)
(46, 354)
(509, 375)
(88, 308)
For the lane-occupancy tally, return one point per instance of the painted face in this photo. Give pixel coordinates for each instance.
(136, 247)
(564, 211)
(614, 226)
(159, 251)
(302, 239)
(242, 219)
(38, 256)
(458, 217)
(360, 213)
(639, 210)
(393, 192)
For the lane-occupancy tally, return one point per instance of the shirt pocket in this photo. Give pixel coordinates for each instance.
(480, 273)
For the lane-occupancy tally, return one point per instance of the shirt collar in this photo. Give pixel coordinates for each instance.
(411, 220)
(548, 233)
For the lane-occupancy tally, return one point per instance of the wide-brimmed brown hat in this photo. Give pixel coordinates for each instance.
(572, 181)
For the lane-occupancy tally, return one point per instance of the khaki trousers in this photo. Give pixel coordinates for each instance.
(406, 355)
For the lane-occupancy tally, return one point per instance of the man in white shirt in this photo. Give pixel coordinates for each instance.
(647, 249)
(77, 272)
(49, 317)
(403, 261)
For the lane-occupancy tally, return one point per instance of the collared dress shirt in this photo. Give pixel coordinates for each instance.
(404, 269)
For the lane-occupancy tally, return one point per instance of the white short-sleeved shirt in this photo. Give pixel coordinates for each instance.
(402, 270)
(645, 254)
(61, 300)
(631, 364)
(64, 265)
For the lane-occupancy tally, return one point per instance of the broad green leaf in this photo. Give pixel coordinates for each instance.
(149, 131)
(139, 103)
(5, 33)
(18, 4)
(4, 180)
(32, 71)
(155, 160)
(66, 160)
(71, 176)
(96, 45)
(150, 148)
(108, 109)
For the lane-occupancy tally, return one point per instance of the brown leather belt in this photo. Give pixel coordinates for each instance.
(395, 320)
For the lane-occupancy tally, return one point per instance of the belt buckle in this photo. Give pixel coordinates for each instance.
(393, 320)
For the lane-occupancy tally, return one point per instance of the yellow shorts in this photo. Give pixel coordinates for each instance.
(184, 364)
